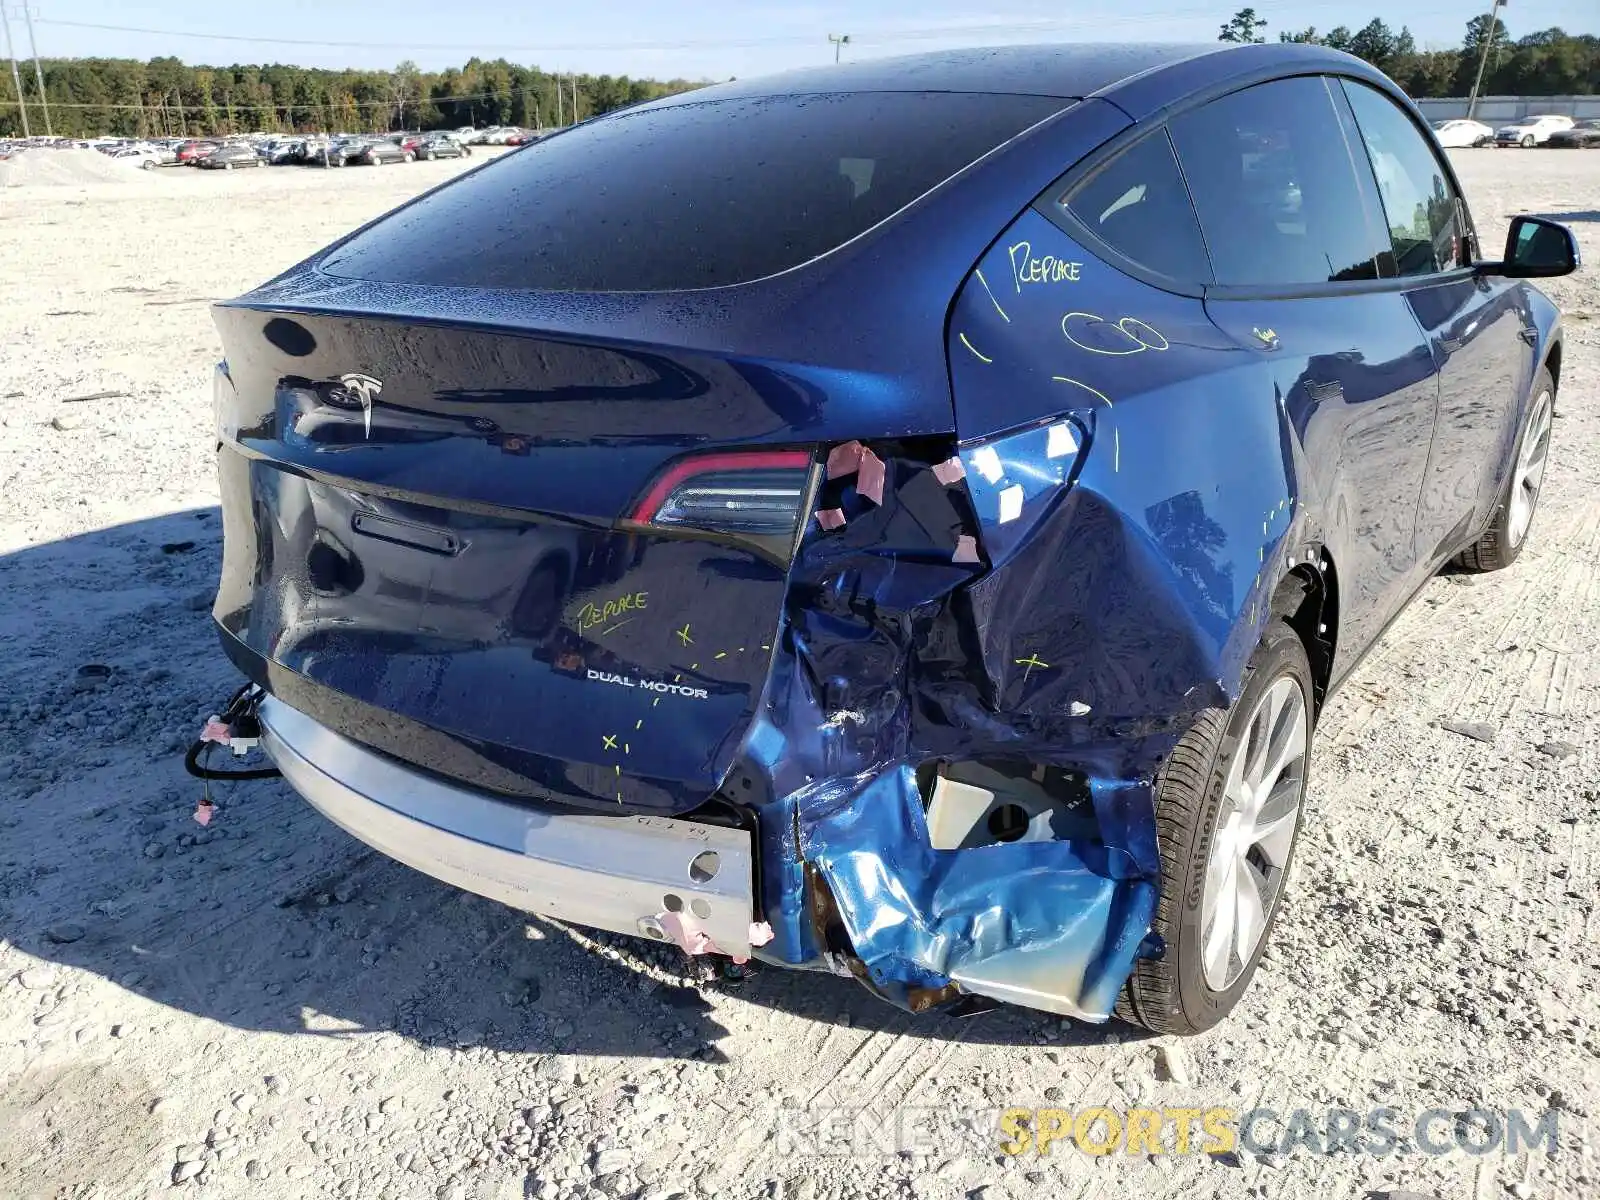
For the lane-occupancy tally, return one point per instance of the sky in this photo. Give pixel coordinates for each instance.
(706, 39)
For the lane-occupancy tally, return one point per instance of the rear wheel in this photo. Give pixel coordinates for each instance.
(1502, 541)
(227, 166)
(409, 157)
(1228, 806)
(148, 164)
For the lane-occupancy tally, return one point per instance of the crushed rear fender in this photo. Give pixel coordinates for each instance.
(1067, 601)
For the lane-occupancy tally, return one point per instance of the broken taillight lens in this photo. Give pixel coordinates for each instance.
(757, 493)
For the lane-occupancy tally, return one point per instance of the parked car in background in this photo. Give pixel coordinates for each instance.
(279, 151)
(921, 642)
(1585, 135)
(146, 158)
(190, 153)
(226, 158)
(1531, 131)
(1460, 132)
(335, 152)
(440, 145)
(376, 152)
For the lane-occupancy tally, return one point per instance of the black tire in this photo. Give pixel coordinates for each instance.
(1498, 545)
(1171, 995)
(148, 164)
(1527, 141)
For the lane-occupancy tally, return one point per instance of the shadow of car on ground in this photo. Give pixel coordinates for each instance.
(271, 918)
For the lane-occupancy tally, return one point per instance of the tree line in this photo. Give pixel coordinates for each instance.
(1551, 62)
(166, 97)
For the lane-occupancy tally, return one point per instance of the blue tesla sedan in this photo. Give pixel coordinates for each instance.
(900, 519)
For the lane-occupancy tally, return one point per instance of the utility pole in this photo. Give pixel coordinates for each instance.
(22, 103)
(38, 72)
(840, 41)
(1483, 59)
(560, 111)
(574, 98)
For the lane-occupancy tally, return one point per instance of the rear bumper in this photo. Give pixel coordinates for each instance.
(615, 873)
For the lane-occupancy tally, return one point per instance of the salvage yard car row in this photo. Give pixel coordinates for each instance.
(1555, 131)
(329, 150)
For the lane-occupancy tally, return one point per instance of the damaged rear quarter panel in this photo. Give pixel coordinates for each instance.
(1123, 582)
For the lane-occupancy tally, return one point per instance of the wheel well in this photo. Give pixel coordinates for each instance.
(1308, 599)
(1552, 363)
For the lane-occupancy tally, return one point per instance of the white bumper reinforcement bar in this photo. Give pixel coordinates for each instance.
(618, 873)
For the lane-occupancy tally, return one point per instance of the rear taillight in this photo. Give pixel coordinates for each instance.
(757, 493)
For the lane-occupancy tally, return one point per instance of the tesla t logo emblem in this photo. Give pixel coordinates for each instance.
(363, 389)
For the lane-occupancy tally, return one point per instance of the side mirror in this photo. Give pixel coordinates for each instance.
(1536, 248)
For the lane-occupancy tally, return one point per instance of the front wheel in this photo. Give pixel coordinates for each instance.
(148, 164)
(409, 157)
(1498, 546)
(1228, 805)
(1527, 141)
(227, 166)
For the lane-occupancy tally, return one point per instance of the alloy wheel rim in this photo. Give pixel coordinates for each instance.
(1528, 475)
(1249, 859)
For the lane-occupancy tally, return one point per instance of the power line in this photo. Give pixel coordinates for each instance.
(949, 31)
(1023, 29)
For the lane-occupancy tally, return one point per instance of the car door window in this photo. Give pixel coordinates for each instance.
(1275, 186)
(1138, 205)
(1419, 203)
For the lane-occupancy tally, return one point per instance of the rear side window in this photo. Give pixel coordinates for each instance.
(689, 195)
(1137, 204)
(1275, 186)
(1418, 201)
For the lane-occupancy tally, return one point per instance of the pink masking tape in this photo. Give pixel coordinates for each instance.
(950, 471)
(686, 931)
(966, 549)
(830, 518)
(204, 811)
(844, 459)
(869, 477)
(693, 940)
(215, 731)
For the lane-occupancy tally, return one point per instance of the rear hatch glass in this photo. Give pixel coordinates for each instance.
(688, 195)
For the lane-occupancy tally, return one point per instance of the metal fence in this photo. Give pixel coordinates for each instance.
(1496, 109)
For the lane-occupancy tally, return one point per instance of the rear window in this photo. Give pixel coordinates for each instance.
(692, 195)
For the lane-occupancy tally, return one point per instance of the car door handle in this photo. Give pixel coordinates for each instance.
(1529, 334)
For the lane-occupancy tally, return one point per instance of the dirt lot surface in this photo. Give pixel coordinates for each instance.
(264, 1007)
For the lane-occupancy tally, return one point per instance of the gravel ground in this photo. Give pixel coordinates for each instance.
(265, 1007)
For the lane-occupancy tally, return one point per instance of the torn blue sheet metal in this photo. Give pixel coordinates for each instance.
(893, 654)
(1115, 597)
(1052, 925)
